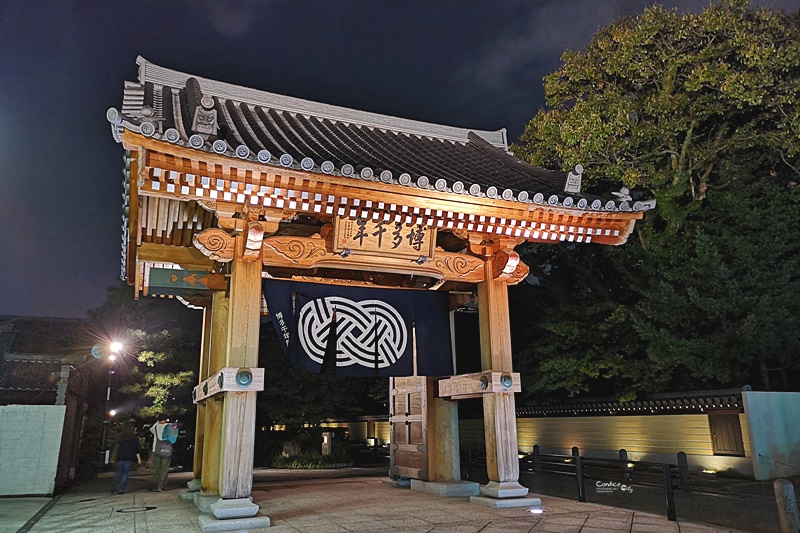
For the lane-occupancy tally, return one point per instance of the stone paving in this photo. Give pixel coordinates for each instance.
(361, 505)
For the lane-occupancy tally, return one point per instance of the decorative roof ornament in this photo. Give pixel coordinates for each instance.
(205, 117)
(573, 183)
(623, 194)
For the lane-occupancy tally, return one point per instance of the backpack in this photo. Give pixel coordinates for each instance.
(163, 448)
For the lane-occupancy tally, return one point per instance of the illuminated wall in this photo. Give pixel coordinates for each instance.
(361, 430)
(655, 438)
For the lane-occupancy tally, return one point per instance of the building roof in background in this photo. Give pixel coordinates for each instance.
(29, 375)
(39, 337)
(33, 350)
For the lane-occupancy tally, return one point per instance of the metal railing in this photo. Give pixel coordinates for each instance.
(672, 475)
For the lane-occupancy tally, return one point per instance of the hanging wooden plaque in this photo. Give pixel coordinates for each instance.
(385, 238)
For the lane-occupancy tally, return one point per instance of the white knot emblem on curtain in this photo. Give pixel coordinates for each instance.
(358, 326)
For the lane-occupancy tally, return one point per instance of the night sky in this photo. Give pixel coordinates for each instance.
(473, 64)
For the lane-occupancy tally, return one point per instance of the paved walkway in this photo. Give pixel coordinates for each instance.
(355, 504)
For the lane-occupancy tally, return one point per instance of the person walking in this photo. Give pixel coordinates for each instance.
(164, 436)
(126, 453)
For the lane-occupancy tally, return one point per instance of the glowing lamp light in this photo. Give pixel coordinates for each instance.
(112, 357)
(536, 510)
(116, 346)
(113, 412)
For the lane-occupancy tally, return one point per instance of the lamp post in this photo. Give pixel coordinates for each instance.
(115, 349)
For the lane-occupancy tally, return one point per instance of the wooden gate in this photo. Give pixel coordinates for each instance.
(726, 433)
(407, 418)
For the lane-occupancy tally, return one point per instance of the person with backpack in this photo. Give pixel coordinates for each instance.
(164, 436)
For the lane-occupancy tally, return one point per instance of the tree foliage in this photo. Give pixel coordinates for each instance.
(663, 100)
(161, 350)
(702, 112)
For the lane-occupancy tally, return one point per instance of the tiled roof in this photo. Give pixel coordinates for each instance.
(281, 131)
(40, 336)
(668, 403)
(29, 375)
(34, 349)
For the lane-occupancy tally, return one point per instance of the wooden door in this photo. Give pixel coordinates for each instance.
(407, 418)
(726, 434)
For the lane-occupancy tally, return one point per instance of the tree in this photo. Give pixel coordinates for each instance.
(664, 100)
(701, 111)
(157, 367)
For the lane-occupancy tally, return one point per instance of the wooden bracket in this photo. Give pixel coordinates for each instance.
(478, 384)
(232, 379)
(254, 240)
(507, 266)
(215, 244)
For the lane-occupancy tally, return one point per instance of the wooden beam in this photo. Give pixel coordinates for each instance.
(188, 258)
(478, 384)
(313, 252)
(166, 156)
(133, 219)
(226, 380)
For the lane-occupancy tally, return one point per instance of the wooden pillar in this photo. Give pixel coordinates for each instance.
(444, 462)
(209, 480)
(239, 408)
(499, 416)
(200, 424)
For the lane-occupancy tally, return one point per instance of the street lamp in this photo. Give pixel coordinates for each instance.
(115, 349)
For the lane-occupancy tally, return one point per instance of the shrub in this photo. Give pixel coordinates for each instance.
(313, 460)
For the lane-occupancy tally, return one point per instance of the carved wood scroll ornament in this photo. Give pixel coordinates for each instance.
(301, 252)
(215, 244)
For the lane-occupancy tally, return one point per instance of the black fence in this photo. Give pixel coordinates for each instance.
(668, 476)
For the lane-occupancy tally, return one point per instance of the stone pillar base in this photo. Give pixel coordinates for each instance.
(504, 489)
(446, 489)
(204, 502)
(503, 503)
(193, 485)
(210, 524)
(234, 508)
(400, 483)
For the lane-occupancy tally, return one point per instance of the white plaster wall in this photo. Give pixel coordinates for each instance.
(30, 439)
(773, 424)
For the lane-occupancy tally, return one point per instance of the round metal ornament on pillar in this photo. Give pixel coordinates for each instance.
(484, 383)
(220, 379)
(244, 377)
(506, 381)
